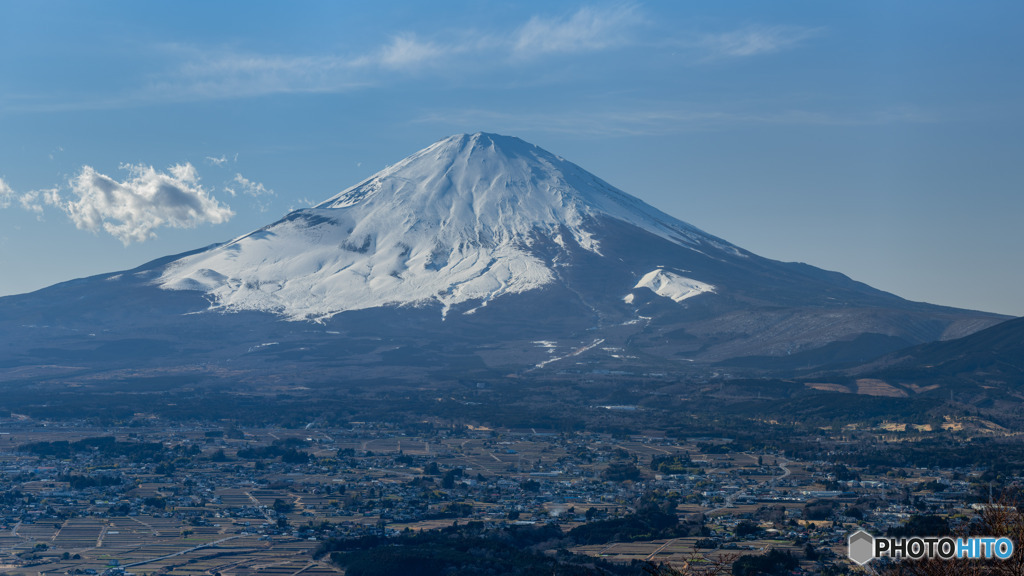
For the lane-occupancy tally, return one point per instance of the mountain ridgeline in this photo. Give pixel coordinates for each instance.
(479, 256)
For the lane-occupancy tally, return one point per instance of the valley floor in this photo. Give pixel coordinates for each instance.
(214, 498)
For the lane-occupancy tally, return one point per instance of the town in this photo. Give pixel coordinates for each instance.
(156, 497)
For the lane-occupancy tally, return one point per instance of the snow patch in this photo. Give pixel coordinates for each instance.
(261, 346)
(575, 352)
(671, 285)
(549, 345)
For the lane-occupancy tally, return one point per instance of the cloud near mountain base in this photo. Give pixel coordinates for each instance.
(133, 209)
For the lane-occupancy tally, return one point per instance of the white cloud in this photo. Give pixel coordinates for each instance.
(217, 161)
(132, 210)
(6, 194)
(214, 73)
(35, 200)
(203, 72)
(31, 201)
(406, 50)
(753, 41)
(246, 186)
(589, 29)
(225, 73)
(192, 72)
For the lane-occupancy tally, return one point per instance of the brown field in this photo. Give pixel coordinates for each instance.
(874, 387)
(826, 387)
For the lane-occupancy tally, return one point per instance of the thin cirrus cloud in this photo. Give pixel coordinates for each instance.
(197, 73)
(406, 50)
(216, 74)
(209, 73)
(587, 30)
(651, 119)
(132, 210)
(750, 41)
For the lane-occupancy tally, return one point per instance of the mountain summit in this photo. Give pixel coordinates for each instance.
(451, 224)
(479, 255)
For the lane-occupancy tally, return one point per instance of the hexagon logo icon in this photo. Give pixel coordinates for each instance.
(860, 547)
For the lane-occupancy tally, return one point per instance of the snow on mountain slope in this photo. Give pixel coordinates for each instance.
(672, 286)
(452, 223)
(472, 221)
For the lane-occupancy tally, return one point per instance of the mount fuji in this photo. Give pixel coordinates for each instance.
(480, 255)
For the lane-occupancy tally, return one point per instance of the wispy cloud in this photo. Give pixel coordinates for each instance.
(6, 194)
(248, 187)
(205, 72)
(190, 72)
(32, 201)
(35, 200)
(226, 73)
(132, 210)
(752, 41)
(587, 30)
(216, 161)
(406, 50)
(212, 73)
(650, 119)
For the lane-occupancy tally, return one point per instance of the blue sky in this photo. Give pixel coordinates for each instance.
(880, 139)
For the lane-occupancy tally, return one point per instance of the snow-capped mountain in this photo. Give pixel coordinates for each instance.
(454, 223)
(481, 254)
